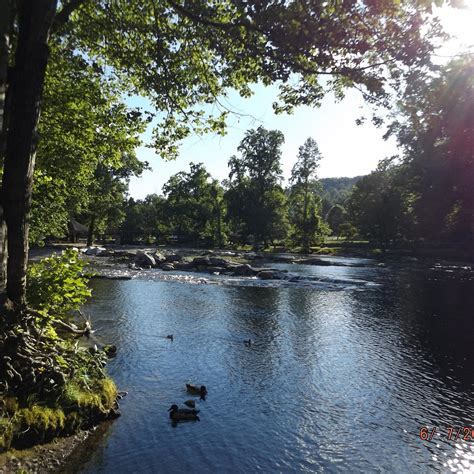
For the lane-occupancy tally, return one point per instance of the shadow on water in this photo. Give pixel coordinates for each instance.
(333, 380)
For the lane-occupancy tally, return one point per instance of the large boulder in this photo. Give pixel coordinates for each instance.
(173, 257)
(186, 266)
(266, 275)
(244, 270)
(93, 250)
(125, 254)
(201, 261)
(271, 274)
(144, 260)
(218, 262)
(159, 258)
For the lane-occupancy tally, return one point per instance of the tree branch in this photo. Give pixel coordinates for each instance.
(62, 17)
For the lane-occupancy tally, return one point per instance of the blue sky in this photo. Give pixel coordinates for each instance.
(347, 149)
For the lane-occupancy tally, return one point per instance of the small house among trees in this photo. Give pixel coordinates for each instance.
(76, 230)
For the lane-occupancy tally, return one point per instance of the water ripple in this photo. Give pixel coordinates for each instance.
(333, 381)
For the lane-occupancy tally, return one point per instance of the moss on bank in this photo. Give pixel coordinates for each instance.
(76, 408)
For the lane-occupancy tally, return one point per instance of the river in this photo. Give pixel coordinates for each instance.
(344, 370)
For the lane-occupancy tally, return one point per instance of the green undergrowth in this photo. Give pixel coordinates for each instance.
(50, 385)
(25, 424)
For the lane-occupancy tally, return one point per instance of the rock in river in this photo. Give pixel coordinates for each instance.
(244, 270)
(144, 260)
(167, 267)
(270, 275)
(159, 257)
(174, 257)
(93, 250)
(201, 261)
(218, 262)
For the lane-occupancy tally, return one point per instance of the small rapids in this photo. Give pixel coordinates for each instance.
(288, 279)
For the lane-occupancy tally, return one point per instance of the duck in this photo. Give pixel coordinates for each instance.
(190, 403)
(201, 391)
(183, 414)
(248, 342)
(170, 336)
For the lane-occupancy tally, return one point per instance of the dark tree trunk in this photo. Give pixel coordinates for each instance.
(25, 90)
(3, 254)
(91, 232)
(305, 219)
(5, 29)
(220, 241)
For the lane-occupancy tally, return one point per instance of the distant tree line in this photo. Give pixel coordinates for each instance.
(250, 207)
(426, 194)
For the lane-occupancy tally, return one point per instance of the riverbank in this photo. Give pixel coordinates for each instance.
(430, 253)
(60, 455)
(45, 458)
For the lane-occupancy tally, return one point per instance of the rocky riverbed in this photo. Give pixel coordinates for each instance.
(122, 263)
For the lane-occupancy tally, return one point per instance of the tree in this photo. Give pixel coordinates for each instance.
(255, 197)
(218, 227)
(337, 216)
(304, 204)
(194, 205)
(107, 191)
(379, 206)
(157, 47)
(335, 191)
(87, 134)
(435, 126)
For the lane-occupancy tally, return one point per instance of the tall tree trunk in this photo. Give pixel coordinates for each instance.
(91, 231)
(5, 29)
(25, 91)
(305, 219)
(220, 242)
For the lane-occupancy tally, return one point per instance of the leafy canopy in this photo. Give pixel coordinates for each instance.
(182, 54)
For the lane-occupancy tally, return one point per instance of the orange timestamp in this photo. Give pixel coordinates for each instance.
(464, 433)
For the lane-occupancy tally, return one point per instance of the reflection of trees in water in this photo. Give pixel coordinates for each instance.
(304, 308)
(255, 313)
(433, 313)
(421, 329)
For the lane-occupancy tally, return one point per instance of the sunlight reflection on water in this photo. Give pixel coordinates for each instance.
(337, 378)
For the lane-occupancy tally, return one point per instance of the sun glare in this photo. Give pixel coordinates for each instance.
(458, 22)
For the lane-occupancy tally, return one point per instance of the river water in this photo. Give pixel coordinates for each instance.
(346, 366)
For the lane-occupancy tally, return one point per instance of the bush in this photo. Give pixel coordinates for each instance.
(57, 284)
(65, 387)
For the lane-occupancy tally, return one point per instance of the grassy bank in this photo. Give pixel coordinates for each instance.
(51, 384)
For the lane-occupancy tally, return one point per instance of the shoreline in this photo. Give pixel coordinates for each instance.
(63, 454)
(409, 253)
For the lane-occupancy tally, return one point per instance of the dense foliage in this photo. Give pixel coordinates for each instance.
(59, 386)
(57, 285)
(427, 194)
(251, 207)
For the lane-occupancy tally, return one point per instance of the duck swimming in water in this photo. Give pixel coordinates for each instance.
(201, 391)
(248, 342)
(183, 414)
(170, 336)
